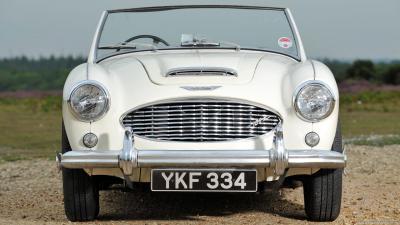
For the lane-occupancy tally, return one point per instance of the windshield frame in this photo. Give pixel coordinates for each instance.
(93, 57)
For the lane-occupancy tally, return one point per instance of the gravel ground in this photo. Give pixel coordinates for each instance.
(30, 193)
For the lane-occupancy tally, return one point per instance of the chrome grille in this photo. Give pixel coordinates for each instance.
(199, 121)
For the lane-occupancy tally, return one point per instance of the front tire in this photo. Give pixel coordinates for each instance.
(81, 193)
(323, 190)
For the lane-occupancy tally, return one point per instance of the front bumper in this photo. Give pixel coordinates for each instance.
(129, 158)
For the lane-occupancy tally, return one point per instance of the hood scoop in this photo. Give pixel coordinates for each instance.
(201, 71)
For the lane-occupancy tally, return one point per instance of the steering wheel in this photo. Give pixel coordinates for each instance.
(155, 39)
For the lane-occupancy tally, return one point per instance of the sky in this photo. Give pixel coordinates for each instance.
(337, 29)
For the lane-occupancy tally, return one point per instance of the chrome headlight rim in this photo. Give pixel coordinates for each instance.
(98, 85)
(301, 88)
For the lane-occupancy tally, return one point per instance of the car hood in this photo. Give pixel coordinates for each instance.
(192, 64)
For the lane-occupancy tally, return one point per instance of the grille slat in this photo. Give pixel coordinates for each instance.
(199, 131)
(203, 105)
(211, 110)
(196, 135)
(189, 117)
(193, 114)
(205, 127)
(199, 121)
(139, 122)
(218, 106)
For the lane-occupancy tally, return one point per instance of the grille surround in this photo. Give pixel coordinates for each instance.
(200, 120)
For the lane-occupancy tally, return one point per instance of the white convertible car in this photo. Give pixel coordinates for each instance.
(204, 98)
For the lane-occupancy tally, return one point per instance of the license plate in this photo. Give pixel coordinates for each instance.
(204, 180)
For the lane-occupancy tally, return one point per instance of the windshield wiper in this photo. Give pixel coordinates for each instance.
(200, 44)
(123, 45)
(191, 41)
(210, 44)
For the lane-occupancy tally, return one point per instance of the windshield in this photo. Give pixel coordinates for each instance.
(252, 28)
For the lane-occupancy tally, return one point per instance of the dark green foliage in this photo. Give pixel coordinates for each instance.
(362, 69)
(376, 72)
(392, 76)
(36, 74)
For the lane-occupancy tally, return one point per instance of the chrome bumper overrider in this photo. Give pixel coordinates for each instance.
(129, 158)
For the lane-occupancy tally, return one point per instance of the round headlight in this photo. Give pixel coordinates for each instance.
(89, 102)
(314, 102)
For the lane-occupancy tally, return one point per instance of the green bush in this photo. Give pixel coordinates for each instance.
(362, 69)
(392, 76)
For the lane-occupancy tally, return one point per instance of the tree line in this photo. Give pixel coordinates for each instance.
(380, 72)
(22, 73)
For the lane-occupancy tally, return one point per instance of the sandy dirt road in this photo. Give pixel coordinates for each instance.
(30, 193)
